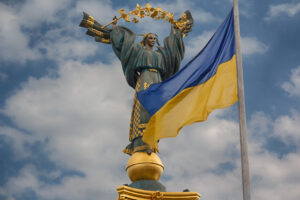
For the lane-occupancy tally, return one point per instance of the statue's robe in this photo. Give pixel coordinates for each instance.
(142, 68)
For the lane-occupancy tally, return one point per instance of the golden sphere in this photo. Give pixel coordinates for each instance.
(142, 166)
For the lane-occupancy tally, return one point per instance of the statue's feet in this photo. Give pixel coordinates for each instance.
(137, 145)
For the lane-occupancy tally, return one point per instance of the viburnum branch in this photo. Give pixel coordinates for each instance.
(155, 13)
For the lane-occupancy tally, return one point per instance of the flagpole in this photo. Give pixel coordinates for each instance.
(242, 112)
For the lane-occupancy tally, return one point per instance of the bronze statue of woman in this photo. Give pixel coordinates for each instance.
(143, 66)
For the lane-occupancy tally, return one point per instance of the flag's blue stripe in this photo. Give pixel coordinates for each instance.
(201, 68)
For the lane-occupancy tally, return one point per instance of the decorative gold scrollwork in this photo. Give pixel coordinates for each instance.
(157, 196)
(121, 197)
(146, 85)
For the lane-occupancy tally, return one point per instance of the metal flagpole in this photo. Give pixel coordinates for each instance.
(242, 112)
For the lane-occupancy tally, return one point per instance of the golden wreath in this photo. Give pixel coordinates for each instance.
(155, 13)
(101, 34)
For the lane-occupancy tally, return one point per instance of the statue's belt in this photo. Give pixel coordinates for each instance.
(153, 70)
(150, 69)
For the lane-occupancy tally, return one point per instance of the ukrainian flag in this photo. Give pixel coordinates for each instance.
(207, 82)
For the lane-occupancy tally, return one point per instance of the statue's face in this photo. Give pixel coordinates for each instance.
(150, 40)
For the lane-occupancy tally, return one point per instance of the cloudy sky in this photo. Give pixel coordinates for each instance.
(65, 105)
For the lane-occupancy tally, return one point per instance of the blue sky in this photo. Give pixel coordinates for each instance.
(65, 105)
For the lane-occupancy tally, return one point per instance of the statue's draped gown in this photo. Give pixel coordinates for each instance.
(142, 68)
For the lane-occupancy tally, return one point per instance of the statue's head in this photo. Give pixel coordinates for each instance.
(149, 39)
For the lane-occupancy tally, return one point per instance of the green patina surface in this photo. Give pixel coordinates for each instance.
(143, 67)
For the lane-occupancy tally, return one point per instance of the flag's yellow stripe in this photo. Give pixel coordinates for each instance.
(194, 104)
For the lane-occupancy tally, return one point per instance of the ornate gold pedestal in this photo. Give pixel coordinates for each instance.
(129, 193)
(144, 170)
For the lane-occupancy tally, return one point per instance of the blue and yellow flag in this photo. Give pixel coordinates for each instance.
(207, 82)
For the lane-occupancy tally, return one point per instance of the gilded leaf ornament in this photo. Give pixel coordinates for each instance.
(155, 13)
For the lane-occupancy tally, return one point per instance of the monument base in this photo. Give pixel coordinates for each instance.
(129, 193)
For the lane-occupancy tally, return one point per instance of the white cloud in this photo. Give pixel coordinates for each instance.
(290, 9)
(251, 45)
(100, 11)
(259, 125)
(195, 44)
(56, 101)
(269, 174)
(196, 154)
(179, 6)
(83, 114)
(269, 171)
(293, 85)
(287, 128)
(17, 140)
(37, 12)
(25, 181)
(66, 48)
(63, 41)
(14, 44)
